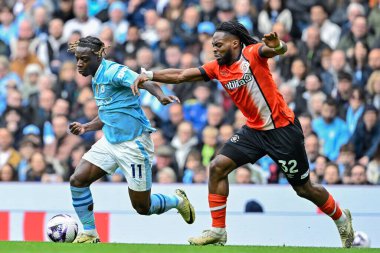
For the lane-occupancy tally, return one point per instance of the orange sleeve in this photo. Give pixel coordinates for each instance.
(208, 70)
(252, 52)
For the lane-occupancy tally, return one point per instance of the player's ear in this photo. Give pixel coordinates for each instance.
(236, 43)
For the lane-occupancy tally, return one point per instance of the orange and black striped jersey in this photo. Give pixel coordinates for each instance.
(250, 84)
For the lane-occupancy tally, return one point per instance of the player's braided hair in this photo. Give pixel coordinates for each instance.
(95, 44)
(235, 28)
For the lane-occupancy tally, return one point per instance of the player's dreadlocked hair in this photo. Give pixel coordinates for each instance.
(237, 29)
(95, 44)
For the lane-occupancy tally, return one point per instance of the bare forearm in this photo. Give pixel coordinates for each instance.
(168, 76)
(154, 89)
(93, 125)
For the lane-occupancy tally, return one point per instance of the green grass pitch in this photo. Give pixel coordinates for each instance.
(45, 247)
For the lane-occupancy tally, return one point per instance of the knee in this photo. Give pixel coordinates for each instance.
(78, 181)
(302, 191)
(216, 169)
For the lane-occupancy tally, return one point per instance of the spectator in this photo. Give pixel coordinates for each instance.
(373, 89)
(192, 164)
(82, 22)
(8, 173)
(320, 167)
(8, 155)
(355, 109)
(225, 11)
(298, 73)
(64, 142)
(373, 171)
(164, 158)
(148, 32)
(208, 11)
(158, 138)
(8, 28)
(209, 145)
(359, 64)
(312, 147)
(40, 170)
(246, 15)
(187, 27)
(225, 133)
(274, 11)
(366, 137)
(310, 51)
(359, 31)
(166, 38)
(195, 110)
(359, 175)
(331, 129)
(22, 58)
(174, 10)
(116, 13)
(40, 18)
(243, 175)
(176, 116)
(136, 10)
(166, 176)
(305, 121)
(374, 59)
(64, 10)
(345, 161)
(30, 86)
(7, 77)
(173, 56)
(289, 94)
(183, 142)
(343, 93)
(315, 103)
(215, 115)
(353, 10)
(330, 32)
(331, 175)
(28, 147)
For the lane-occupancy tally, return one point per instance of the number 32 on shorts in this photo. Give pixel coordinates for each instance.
(288, 166)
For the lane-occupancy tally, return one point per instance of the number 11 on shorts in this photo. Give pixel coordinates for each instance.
(133, 166)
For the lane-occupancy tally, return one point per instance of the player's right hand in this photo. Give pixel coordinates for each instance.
(138, 83)
(77, 128)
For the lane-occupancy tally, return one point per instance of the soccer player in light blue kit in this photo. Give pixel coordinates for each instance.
(126, 142)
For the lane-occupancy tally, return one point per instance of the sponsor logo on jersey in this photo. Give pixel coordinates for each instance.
(238, 83)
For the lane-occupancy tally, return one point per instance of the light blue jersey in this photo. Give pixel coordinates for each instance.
(119, 109)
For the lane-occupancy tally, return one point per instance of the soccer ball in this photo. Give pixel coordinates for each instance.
(361, 240)
(62, 228)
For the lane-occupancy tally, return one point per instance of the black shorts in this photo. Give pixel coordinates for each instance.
(284, 145)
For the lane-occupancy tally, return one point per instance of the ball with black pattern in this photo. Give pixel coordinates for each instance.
(62, 228)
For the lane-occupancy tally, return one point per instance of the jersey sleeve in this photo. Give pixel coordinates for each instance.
(208, 70)
(123, 76)
(252, 52)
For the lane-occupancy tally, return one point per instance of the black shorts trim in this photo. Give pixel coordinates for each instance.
(234, 154)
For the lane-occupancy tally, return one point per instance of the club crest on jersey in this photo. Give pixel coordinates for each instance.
(238, 83)
(235, 138)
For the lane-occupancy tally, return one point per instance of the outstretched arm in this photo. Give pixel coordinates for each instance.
(173, 76)
(79, 129)
(154, 89)
(273, 45)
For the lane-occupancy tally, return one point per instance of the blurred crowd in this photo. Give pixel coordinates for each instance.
(330, 77)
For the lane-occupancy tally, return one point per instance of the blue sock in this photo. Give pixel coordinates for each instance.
(83, 205)
(160, 203)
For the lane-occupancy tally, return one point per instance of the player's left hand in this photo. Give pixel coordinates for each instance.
(271, 40)
(169, 99)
